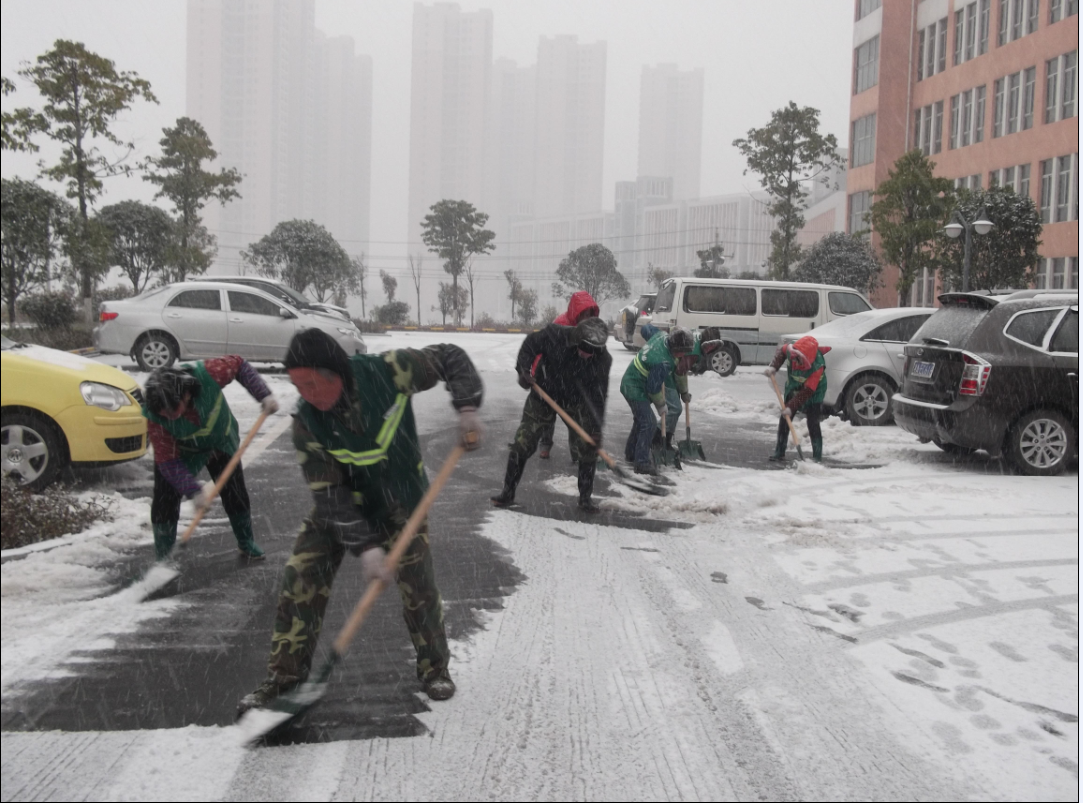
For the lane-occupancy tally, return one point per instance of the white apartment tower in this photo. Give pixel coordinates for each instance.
(671, 127)
(449, 99)
(509, 192)
(288, 108)
(570, 109)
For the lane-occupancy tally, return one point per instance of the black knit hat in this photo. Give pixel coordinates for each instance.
(314, 348)
(591, 334)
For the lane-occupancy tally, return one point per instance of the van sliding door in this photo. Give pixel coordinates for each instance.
(731, 309)
(785, 312)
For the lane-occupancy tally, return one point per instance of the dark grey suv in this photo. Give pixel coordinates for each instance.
(999, 374)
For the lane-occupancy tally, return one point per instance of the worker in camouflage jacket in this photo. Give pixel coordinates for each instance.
(667, 354)
(571, 364)
(806, 386)
(357, 443)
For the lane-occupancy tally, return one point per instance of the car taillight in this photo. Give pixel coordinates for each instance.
(643, 312)
(975, 375)
(108, 316)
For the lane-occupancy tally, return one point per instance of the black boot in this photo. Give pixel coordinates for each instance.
(675, 452)
(586, 485)
(512, 475)
(780, 446)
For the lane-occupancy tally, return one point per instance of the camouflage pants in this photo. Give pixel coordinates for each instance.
(306, 588)
(539, 418)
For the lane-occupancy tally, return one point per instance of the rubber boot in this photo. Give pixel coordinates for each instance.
(586, 485)
(246, 542)
(165, 535)
(818, 449)
(780, 446)
(512, 475)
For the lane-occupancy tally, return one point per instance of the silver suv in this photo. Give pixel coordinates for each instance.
(193, 320)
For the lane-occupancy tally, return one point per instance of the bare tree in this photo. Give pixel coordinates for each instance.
(515, 289)
(362, 271)
(415, 275)
(471, 277)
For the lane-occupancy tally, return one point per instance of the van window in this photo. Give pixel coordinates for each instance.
(791, 303)
(664, 302)
(720, 300)
(846, 303)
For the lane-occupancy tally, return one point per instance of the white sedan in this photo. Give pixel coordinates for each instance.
(865, 360)
(194, 320)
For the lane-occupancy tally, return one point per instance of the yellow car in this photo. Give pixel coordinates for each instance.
(60, 408)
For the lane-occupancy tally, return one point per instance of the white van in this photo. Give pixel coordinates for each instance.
(751, 314)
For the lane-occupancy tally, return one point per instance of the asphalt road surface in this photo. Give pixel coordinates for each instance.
(192, 667)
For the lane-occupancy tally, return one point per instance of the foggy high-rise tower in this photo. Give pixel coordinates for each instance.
(449, 98)
(288, 108)
(570, 126)
(671, 127)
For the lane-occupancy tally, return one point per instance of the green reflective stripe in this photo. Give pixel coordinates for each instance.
(391, 422)
(383, 438)
(208, 426)
(639, 366)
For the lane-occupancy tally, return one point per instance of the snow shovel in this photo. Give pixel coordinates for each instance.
(688, 448)
(789, 421)
(161, 573)
(629, 480)
(259, 722)
(662, 455)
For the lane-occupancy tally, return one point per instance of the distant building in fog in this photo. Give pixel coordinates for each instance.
(570, 116)
(671, 127)
(288, 108)
(449, 101)
(509, 188)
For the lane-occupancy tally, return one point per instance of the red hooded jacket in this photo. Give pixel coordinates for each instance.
(579, 303)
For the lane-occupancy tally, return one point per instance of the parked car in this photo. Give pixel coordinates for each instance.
(60, 408)
(281, 291)
(999, 374)
(193, 320)
(631, 319)
(865, 361)
(751, 314)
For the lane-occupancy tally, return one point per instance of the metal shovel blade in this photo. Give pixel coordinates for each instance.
(259, 723)
(691, 450)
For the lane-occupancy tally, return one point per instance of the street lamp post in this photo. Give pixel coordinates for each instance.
(959, 224)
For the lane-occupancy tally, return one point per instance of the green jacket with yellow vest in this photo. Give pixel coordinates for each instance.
(362, 458)
(645, 377)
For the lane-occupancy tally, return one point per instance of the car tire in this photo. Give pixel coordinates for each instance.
(724, 361)
(1042, 443)
(155, 350)
(868, 401)
(33, 450)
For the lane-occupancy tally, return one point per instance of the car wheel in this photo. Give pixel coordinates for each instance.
(1042, 443)
(32, 450)
(868, 401)
(724, 361)
(155, 350)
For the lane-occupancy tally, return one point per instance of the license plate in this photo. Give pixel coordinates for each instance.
(922, 370)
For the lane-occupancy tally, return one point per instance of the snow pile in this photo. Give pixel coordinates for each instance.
(53, 593)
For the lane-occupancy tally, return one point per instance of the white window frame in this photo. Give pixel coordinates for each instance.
(1013, 102)
(870, 69)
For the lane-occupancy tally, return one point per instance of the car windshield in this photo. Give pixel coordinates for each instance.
(951, 324)
(7, 343)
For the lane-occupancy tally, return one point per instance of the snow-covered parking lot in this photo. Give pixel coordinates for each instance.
(904, 631)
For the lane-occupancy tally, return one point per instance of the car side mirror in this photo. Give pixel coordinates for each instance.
(285, 313)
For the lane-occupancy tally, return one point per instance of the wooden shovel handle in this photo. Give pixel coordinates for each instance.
(782, 405)
(571, 422)
(402, 543)
(223, 478)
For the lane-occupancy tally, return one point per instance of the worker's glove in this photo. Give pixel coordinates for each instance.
(269, 404)
(686, 398)
(786, 411)
(660, 408)
(769, 372)
(374, 566)
(525, 381)
(469, 428)
(203, 498)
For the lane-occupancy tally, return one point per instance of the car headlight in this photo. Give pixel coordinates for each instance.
(349, 331)
(105, 396)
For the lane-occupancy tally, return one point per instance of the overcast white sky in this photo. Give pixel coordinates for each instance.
(757, 56)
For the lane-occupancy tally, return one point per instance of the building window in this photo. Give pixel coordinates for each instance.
(1062, 9)
(1013, 102)
(866, 65)
(1017, 178)
(1017, 18)
(859, 206)
(929, 128)
(863, 141)
(953, 123)
(1065, 209)
(1058, 273)
(971, 31)
(968, 182)
(1062, 87)
(866, 7)
(1045, 204)
(983, 27)
(967, 118)
(932, 44)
